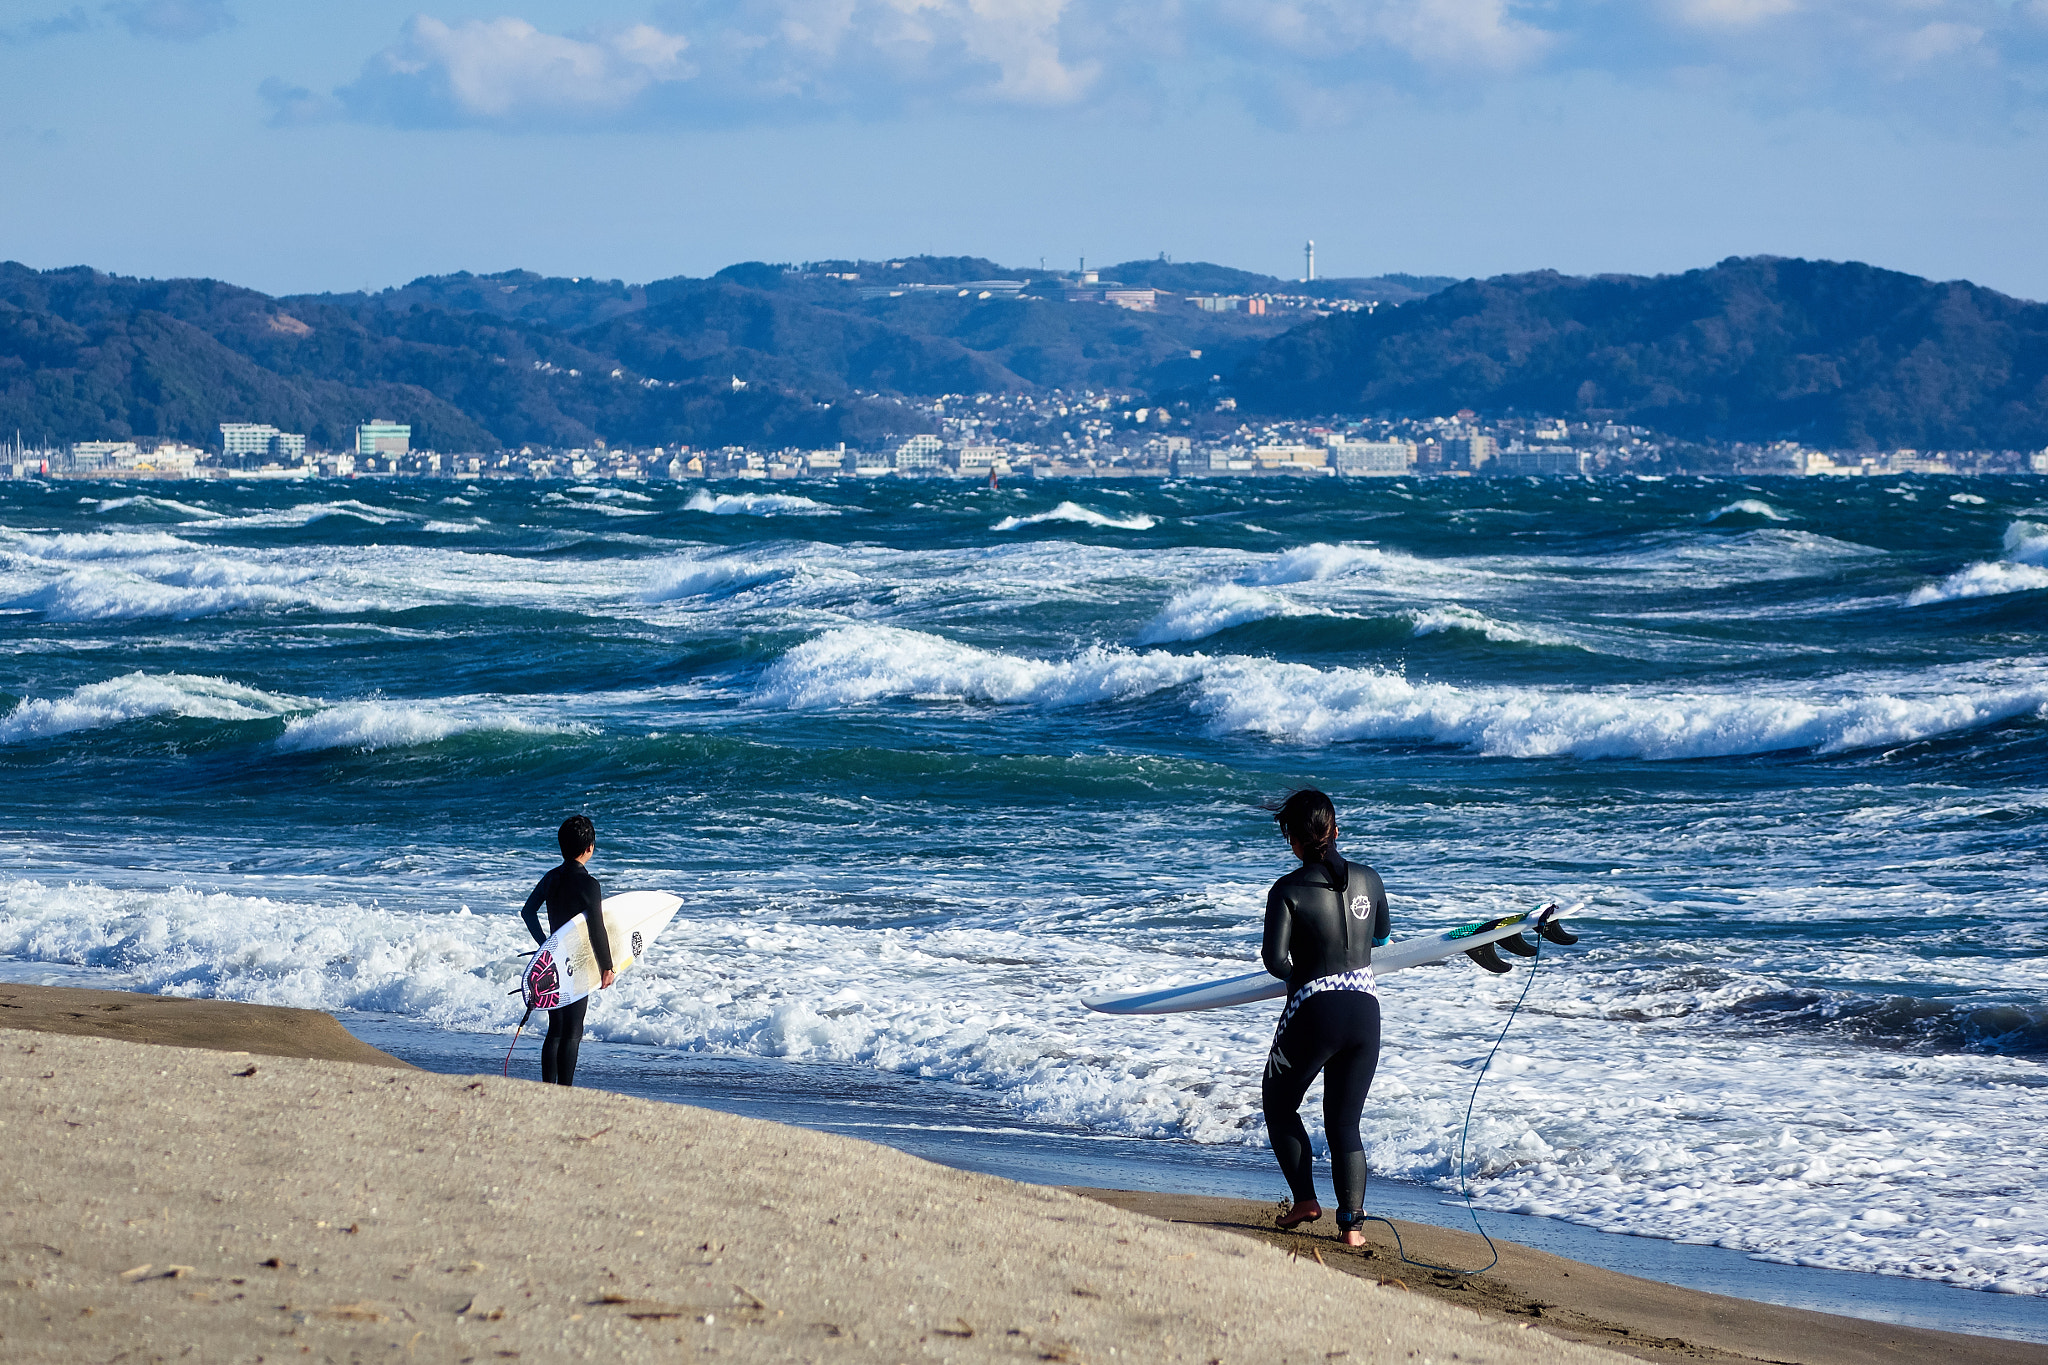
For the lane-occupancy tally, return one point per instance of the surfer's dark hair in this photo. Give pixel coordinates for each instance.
(575, 835)
(1308, 818)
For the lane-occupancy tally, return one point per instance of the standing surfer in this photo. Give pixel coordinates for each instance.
(1322, 922)
(569, 891)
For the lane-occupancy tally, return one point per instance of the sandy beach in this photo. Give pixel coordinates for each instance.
(175, 1189)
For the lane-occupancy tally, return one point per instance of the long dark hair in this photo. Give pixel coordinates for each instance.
(1309, 818)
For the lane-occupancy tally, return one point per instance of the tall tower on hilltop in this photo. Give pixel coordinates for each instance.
(1309, 253)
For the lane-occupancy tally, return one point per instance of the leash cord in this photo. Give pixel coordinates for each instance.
(1464, 1135)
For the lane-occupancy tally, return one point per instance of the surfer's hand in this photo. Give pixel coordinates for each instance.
(609, 977)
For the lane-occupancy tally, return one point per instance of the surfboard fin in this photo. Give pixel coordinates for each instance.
(1516, 944)
(1557, 933)
(1486, 957)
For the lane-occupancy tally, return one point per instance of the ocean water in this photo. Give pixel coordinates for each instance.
(928, 762)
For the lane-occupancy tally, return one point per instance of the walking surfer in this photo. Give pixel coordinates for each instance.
(569, 891)
(1322, 922)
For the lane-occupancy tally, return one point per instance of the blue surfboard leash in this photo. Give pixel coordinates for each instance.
(1464, 1135)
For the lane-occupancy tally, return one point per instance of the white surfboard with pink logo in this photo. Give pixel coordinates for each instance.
(564, 970)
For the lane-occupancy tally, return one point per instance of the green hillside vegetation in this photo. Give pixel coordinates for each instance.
(1839, 355)
(516, 358)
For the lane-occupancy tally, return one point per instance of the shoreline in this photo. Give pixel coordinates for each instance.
(1575, 1302)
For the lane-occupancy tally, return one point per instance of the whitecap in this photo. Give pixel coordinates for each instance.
(757, 505)
(92, 544)
(204, 589)
(138, 696)
(1312, 563)
(702, 578)
(306, 513)
(2024, 568)
(1749, 507)
(1453, 617)
(1087, 516)
(104, 505)
(861, 664)
(372, 725)
(1302, 704)
(1201, 612)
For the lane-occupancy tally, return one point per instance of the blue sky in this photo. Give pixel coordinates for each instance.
(297, 146)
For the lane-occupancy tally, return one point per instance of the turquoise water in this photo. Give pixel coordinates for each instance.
(927, 762)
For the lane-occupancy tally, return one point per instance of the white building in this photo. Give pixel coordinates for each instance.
(1550, 462)
(87, 456)
(1355, 459)
(979, 461)
(244, 440)
(919, 454)
(2038, 461)
(173, 457)
(384, 437)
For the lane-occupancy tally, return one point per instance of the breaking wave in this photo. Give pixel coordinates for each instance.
(757, 505)
(1087, 516)
(372, 725)
(1302, 704)
(2024, 568)
(139, 696)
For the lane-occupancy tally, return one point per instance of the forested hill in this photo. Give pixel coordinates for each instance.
(484, 361)
(1839, 355)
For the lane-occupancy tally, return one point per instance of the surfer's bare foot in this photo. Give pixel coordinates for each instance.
(1354, 1238)
(1301, 1213)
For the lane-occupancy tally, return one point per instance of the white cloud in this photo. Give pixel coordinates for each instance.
(1441, 35)
(1307, 61)
(497, 69)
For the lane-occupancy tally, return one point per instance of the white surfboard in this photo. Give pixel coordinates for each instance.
(1262, 985)
(564, 969)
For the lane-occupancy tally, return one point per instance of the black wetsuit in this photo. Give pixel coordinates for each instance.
(1322, 921)
(568, 891)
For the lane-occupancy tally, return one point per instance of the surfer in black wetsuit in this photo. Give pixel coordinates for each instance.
(569, 891)
(1322, 922)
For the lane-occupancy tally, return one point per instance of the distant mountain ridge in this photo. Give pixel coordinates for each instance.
(1841, 355)
(1833, 354)
(484, 361)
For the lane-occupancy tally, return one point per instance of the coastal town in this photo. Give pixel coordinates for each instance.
(1057, 435)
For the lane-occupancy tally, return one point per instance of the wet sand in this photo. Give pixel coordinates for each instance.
(221, 1025)
(161, 1197)
(1578, 1302)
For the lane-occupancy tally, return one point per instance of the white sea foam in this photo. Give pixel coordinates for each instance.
(860, 664)
(627, 494)
(182, 592)
(1663, 1125)
(704, 578)
(757, 505)
(1747, 507)
(145, 500)
(1453, 617)
(1309, 563)
(305, 514)
(1200, 612)
(90, 545)
(373, 725)
(2024, 568)
(138, 696)
(1301, 704)
(1086, 516)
